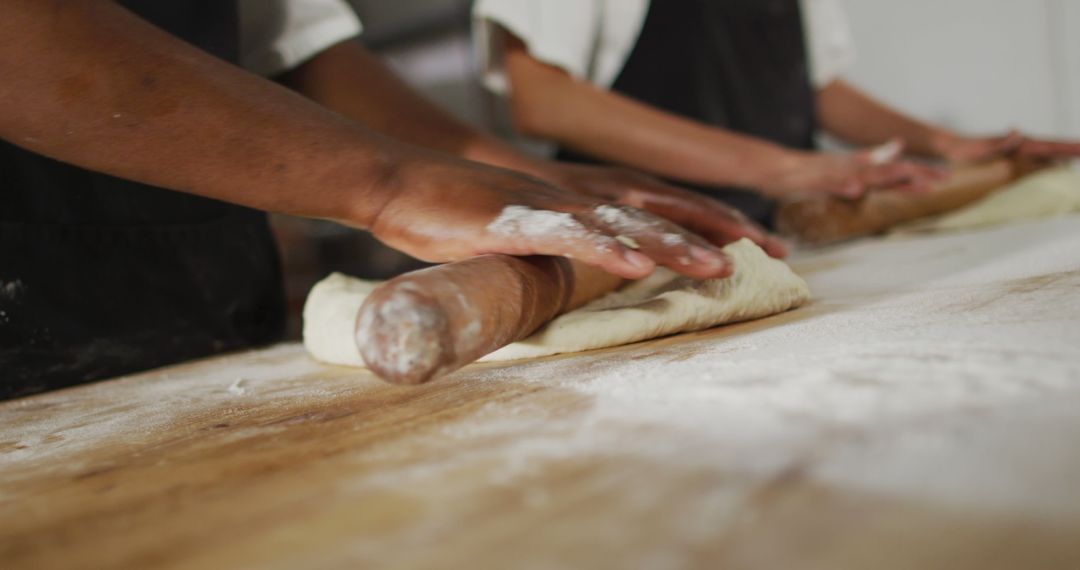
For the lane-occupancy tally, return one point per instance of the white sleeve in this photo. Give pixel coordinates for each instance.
(830, 44)
(278, 35)
(562, 33)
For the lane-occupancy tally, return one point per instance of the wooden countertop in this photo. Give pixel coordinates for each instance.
(923, 412)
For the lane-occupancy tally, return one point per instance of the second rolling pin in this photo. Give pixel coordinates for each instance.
(821, 220)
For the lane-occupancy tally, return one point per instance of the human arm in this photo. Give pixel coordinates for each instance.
(547, 102)
(350, 80)
(852, 115)
(91, 84)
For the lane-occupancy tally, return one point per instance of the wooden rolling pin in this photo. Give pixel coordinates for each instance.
(820, 220)
(431, 322)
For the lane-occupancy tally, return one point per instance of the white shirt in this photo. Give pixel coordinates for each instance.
(278, 35)
(592, 39)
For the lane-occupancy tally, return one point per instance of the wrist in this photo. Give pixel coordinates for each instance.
(772, 170)
(489, 150)
(373, 182)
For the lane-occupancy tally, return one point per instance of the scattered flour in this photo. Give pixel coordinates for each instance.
(85, 417)
(10, 290)
(929, 384)
(238, 387)
(939, 369)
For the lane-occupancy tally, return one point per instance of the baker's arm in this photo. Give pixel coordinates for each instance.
(352, 81)
(91, 84)
(547, 102)
(852, 115)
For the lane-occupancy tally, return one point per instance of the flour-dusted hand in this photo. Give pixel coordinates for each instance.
(442, 209)
(709, 218)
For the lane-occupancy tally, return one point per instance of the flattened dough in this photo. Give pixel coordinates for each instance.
(660, 305)
(1046, 194)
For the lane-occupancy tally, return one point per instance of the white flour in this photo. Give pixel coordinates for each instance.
(927, 384)
(672, 240)
(238, 388)
(941, 369)
(410, 348)
(172, 397)
(516, 222)
(627, 220)
(522, 221)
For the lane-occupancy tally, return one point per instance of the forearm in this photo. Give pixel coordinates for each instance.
(357, 84)
(857, 118)
(91, 84)
(550, 104)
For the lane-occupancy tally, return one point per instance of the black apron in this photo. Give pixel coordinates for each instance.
(101, 276)
(736, 64)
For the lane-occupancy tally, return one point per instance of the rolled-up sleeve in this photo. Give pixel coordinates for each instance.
(562, 33)
(830, 43)
(278, 35)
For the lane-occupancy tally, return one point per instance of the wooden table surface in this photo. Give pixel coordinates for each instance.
(922, 412)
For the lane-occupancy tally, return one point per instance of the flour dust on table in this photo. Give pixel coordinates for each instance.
(660, 305)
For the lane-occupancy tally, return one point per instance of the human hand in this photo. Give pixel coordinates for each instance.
(707, 217)
(959, 149)
(852, 175)
(443, 209)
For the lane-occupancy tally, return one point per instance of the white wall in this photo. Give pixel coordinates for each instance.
(978, 65)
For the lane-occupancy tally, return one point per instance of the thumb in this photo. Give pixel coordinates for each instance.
(883, 154)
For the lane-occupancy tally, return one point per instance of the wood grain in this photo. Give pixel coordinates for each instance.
(269, 460)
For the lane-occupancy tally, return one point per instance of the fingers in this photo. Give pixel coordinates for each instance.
(909, 176)
(884, 154)
(521, 230)
(663, 242)
(1049, 149)
(618, 239)
(994, 148)
(730, 225)
(707, 217)
(772, 245)
(775, 247)
(850, 188)
(1010, 143)
(882, 168)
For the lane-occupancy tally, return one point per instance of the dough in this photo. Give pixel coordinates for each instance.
(659, 305)
(1046, 194)
(666, 303)
(330, 318)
